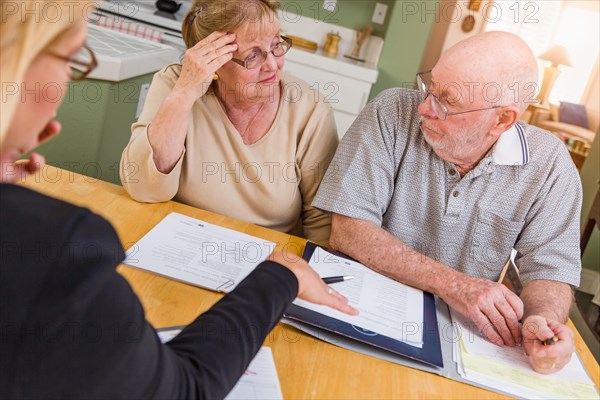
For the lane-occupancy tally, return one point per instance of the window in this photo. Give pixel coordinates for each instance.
(572, 24)
(534, 21)
(578, 31)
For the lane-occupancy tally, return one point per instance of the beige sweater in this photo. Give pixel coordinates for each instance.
(271, 182)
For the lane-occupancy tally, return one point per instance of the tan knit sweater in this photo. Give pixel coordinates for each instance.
(271, 182)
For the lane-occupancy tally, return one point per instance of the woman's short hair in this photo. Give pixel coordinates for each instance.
(27, 29)
(208, 16)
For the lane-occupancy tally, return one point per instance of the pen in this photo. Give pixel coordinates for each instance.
(550, 341)
(335, 279)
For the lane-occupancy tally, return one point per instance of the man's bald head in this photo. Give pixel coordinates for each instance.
(500, 62)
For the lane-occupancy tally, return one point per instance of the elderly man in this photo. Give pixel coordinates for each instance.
(434, 188)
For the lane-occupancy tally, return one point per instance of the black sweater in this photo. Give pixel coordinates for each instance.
(71, 327)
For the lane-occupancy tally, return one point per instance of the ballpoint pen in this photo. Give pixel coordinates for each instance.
(335, 279)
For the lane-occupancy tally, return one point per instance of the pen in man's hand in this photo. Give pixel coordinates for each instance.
(550, 341)
(335, 279)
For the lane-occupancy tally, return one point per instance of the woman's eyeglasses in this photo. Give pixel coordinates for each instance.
(258, 57)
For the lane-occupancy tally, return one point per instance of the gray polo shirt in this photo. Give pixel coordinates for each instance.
(524, 194)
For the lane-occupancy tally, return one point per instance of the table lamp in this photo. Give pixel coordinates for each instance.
(557, 55)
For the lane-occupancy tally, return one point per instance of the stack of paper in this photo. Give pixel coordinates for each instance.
(386, 307)
(260, 380)
(506, 368)
(193, 251)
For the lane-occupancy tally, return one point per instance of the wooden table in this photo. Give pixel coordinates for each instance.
(307, 367)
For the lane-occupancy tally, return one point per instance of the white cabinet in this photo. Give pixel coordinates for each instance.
(344, 94)
(345, 84)
(347, 96)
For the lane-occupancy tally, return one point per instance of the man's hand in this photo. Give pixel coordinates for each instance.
(490, 305)
(495, 309)
(547, 359)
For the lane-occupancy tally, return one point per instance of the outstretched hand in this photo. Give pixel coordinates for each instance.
(310, 285)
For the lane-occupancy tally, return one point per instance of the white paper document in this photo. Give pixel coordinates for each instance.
(260, 380)
(167, 334)
(386, 307)
(507, 369)
(193, 251)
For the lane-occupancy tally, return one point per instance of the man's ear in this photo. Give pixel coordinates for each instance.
(505, 120)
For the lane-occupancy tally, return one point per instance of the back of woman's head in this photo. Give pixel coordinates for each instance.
(28, 28)
(208, 16)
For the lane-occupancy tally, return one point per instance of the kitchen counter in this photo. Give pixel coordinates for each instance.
(341, 65)
(145, 11)
(122, 56)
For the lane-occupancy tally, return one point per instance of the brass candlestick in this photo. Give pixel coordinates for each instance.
(361, 36)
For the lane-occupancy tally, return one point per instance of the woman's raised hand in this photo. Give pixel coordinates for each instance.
(202, 61)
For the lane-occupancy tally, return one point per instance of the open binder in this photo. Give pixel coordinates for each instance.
(436, 356)
(430, 353)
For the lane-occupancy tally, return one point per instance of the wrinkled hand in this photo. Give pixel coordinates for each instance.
(202, 61)
(12, 169)
(490, 305)
(547, 359)
(310, 285)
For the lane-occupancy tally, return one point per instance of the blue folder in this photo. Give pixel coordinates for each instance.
(430, 353)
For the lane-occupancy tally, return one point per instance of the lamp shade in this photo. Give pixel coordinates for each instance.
(557, 55)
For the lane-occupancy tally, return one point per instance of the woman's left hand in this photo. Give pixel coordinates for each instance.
(12, 169)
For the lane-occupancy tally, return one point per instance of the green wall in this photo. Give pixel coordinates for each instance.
(96, 117)
(590, 172)
(405, 40)
(348, 13)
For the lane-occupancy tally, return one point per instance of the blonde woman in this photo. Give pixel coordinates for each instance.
(70, 325)
(227, 131)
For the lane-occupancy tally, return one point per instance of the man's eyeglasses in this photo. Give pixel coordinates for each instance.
(258, 57)
(81, 63)
(439, 109)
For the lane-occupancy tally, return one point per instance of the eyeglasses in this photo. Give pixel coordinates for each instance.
(439, 109)
(258, 57)
(81, 63)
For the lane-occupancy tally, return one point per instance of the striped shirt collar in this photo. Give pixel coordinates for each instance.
(511, 148)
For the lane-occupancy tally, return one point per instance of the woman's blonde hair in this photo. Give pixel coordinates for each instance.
(208, 16)
(28, 28)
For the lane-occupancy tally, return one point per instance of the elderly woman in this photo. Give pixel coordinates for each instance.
(71, 327)
(227, 131)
